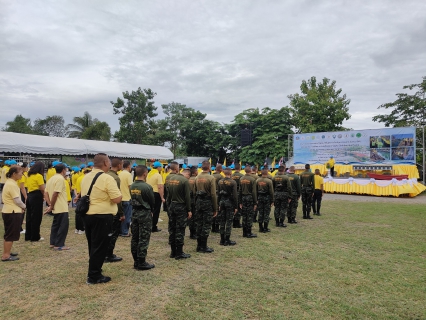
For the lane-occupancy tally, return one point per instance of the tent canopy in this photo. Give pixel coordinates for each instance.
(33, 144)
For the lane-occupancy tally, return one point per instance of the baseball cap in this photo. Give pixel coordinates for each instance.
(157, 164)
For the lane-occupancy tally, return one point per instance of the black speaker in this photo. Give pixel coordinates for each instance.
(246, 137)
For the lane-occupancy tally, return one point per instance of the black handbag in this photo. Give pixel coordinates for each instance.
(84, 202)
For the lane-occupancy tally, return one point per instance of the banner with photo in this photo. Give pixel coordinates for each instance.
(388, 146)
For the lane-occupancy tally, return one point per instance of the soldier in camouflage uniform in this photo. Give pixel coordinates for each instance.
(265, 199)
(236, 176)
(205, 206)
(228, 203)
(170, 175)
(283, 192)
(218, 175)
(248, 201)
(295, 195)
(143, 202)
(254, 173)
(179, 210)
(116, 165)
(307, 184)
(191, 222)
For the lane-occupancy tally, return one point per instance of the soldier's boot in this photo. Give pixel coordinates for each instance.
(229, 242)
(304, 213)
(144, 265)
(265, 227)
(222, 239)
(238, 224)
(173, 252)
(234, 223)
(308, 215)
(277, 222)
(135, 263)
(260, 227)
(282, 224)
(180, 254)
(244, 232)
(250, 235)
(199, 242)
(294, 220)
(204, 248)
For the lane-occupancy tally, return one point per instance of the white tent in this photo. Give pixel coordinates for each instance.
(32, 144)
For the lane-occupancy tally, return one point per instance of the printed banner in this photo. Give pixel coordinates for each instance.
(388, 146)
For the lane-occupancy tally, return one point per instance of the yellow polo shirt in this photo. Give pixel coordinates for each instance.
(50, 173)
(74, 179)
(34, 182)
(57, 184)
(23, 180)
(104, 189)
(67, 186)
(154, 180)
(10, 191)
(126, 181)
(318, 181)
(78, 184)
(4, 170)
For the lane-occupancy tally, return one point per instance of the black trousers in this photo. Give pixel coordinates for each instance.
(332, 171)
(157, 209)
(59, 230)
(79, 222)
(98, 229)
(316, 201)
(34, 215)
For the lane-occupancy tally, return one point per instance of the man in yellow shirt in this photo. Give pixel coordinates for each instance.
(51, 170)
(56, 197)
(98, 221)
(155, 180)
(318, 191)
(4, 171)
(126, 181)
(330, 163)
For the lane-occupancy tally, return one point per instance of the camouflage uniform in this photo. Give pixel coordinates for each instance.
(248, 198)
(265, 198)
(143, 202)
(236, 176)
(295, 195)
(307, 183)
(227, 203)
(283, 192)
(205, 205)
(215, 222)
(255, 212)
(116, 224)
(169, 176)
(191, 222)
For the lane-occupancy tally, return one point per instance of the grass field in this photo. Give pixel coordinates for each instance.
(357, 261)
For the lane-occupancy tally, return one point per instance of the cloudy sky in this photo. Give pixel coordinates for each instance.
(219, 57)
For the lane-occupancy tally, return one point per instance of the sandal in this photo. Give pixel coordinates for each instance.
(61, 248)
(11, 258)
(13, 254)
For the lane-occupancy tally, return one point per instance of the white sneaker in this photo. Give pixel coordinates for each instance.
(76, 231)
(41, 239)
(80, 232)
(23, 231)
(160, 220)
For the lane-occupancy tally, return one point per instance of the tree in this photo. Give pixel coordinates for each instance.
(137, 124)
(80, 124)
(98, 131)
(50, 126)
(408, 110)
(319, 107)
(19, 125)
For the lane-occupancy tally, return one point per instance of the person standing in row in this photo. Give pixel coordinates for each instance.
(12, 210)
(228, 204)
(218, 175)
(179, 211)
(282, 196)
(295, 195)
(104, 198)
(22, 184)
(248, 201)
(205, 206)
(307, 184)
(191, 222)
(116, 166)
(57, 199)
(318, 191)
(265, 199)
(236, 176)
(155, 180)
(35, 183)
(254, 170)
(126, 181)
(4, 171)
(143, 202)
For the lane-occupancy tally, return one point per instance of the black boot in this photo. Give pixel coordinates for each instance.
(304, 214)
(203, 247)
(282, 224)
(143, 265)
(238, 224)
(318, 211)
(234, 223)
(173, 252)
(260, 227)
(250, 235)
(222, 239)
(277, 222)
(199, 243)
(265, 227)
(229, 242)
(244, 232)
(135, 263)
(308, 215)
(180, 254)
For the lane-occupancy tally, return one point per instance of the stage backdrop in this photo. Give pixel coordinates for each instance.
(387, 146)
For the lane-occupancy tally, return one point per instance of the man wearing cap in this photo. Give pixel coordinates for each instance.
(265, 199)
(228, 203)
(191, 222)
(218, 175)
(90, 165)
(51, 170)
(318, 191)
(295, 195)
(236, 176)
(155, 180)
(282, 194)
(307, 184)
(126, 181)
(248, 201)
(330, 164)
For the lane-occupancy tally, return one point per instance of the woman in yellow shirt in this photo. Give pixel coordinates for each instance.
(11, 212)
(35, 185)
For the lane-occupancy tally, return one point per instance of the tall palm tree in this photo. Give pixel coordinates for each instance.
(80, 125)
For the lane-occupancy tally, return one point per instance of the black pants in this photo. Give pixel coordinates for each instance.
(34, 215)
(156, 213)
(332, 171)
(98, 229)
(115, 232)
(59, 230)
(316, 201)
(79, 222)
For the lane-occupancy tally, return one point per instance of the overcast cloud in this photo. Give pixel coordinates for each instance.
(219, 57)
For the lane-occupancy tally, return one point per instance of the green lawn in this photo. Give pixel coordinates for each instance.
(357, 261)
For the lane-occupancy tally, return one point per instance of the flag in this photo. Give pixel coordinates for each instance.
(210, 161)
(281, 162)
(273, 164)
(224, 163)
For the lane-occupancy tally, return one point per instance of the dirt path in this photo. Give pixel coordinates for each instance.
(420, 199)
